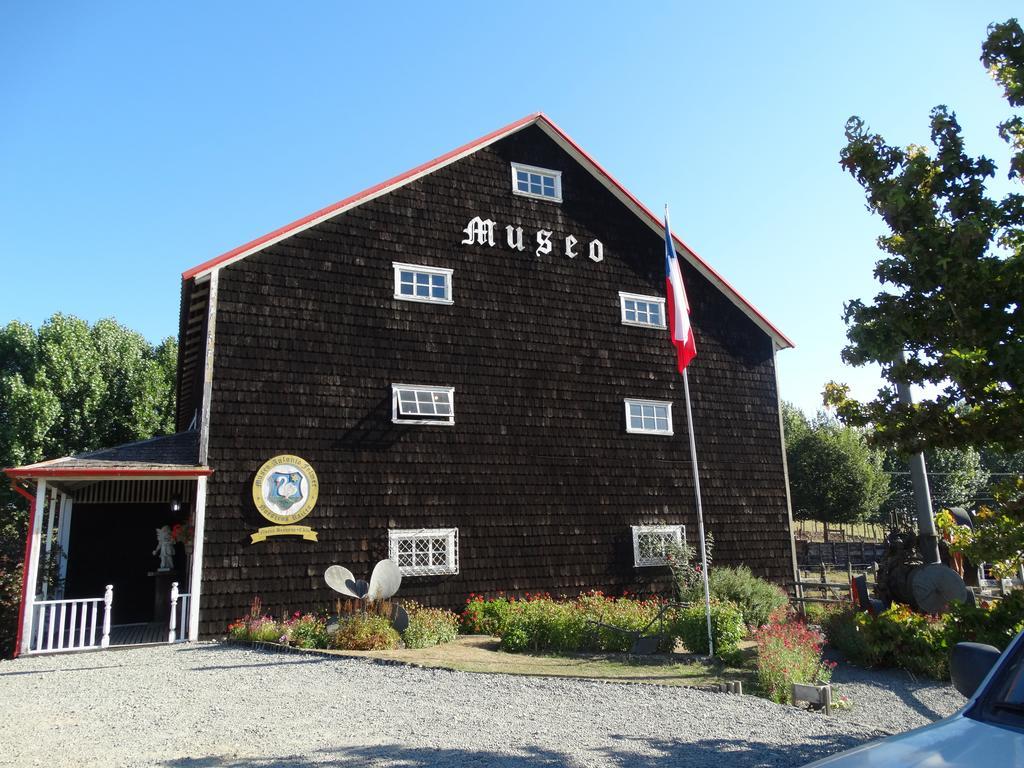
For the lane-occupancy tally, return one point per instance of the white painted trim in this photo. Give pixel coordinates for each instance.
(659, 300)
(63, 542)
(49, 542)
(196, 580)
(448, 283)
(211, 336)
(556, 175)
(32, 570)
(636, 401)
(451, 535)
(397, 418)
(678, 533)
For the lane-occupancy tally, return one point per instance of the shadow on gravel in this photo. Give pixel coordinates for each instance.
(734, 753)
(59, 669)
(277, 662)
(628, 753)
(894, 682)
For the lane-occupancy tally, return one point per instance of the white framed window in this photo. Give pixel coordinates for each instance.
(649, 417)
(650, 543)
(542, 183)
(418, 283)
(415, 404)
(648, 311)
(425, 552)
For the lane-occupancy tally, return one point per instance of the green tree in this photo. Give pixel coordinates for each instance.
(834, 475)
(957, 477)
(953, 273)
(67, 388)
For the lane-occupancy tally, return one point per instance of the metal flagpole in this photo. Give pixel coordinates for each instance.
(700, 514)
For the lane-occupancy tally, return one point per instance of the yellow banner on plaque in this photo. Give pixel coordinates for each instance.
(284, 530)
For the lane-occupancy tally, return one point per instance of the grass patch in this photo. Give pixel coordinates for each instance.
(480, 653)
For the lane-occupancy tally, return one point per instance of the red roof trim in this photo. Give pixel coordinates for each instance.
(510, 128)
(357, 197)
(28, 472)
(659, 223)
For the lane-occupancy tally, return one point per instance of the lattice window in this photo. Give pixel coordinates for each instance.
(651, 541)
(648, 311)
(653, 417)
(542, 183)
(414, 404)
(425, 552)
(417, 283)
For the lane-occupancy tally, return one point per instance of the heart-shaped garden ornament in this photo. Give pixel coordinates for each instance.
(384, 581)
(341, 580)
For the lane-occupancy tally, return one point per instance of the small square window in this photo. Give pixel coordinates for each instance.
(542, 183)
(425, 552)
(647, 311)
(428, 284)
(651, 543)
(652, 417)
(413, 404)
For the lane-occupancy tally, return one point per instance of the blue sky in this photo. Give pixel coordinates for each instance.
(140, 139)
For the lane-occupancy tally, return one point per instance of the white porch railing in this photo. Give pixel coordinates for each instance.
(177, 631)
(71, 625)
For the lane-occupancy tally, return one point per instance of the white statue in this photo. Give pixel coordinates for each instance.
(165, 547)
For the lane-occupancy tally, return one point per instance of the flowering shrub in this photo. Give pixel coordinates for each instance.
(485, 617)
(429, 626)
(305, 631)
(899, 637)
(364, 632)
(787, 653)
(256, 626)
(995, 623)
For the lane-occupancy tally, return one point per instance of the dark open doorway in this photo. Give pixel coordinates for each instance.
(113, 544)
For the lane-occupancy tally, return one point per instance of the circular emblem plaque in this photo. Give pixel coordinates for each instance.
(285, 489)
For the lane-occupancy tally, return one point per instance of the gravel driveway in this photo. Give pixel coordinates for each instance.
(213, 705)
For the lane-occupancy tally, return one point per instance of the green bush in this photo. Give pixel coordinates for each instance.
(429, 626)
(899, 637)
(484, 617)
(306, 631)
(364, 632)
(541, 624)
(993, 623)
(758, 600)
(727, 628)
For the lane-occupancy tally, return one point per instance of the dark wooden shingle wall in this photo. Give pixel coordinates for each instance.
(538, 472)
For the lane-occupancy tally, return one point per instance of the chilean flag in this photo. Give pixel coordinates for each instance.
(679, 327)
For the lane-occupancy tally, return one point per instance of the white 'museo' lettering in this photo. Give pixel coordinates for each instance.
(479, 231)
(570, 243)
(515, 238)
(544, 242)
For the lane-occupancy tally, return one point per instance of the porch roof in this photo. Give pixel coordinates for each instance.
(168, 456)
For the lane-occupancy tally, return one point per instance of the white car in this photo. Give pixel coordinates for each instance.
(988, 732)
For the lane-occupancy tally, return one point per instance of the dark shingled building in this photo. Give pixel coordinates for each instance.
(465, 368)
